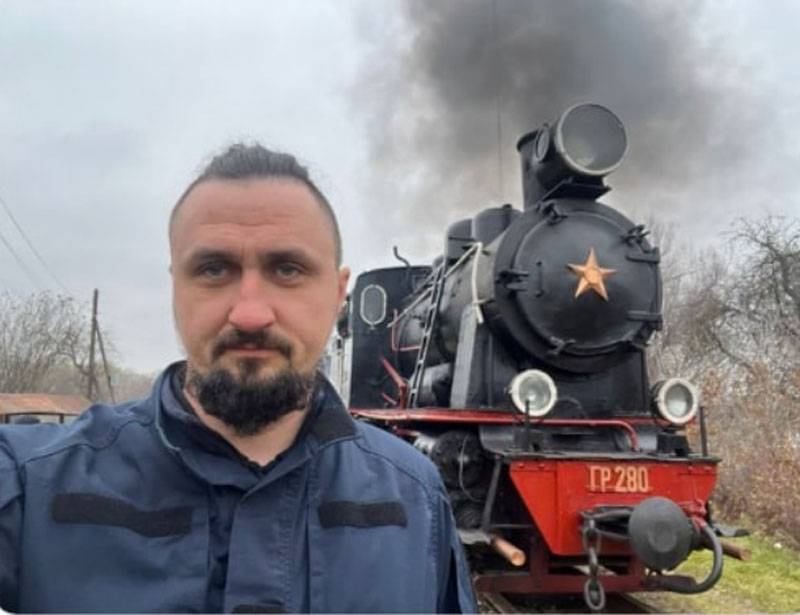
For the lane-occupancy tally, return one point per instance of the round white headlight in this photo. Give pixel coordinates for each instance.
(676, 400)
(534, 392)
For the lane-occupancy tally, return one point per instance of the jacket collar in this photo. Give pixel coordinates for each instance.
(212, 458)
(331, 422)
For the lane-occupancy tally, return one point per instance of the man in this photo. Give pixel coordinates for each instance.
(241, 484)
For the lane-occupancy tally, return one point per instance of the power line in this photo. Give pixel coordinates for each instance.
(31, 246)
(36, 282)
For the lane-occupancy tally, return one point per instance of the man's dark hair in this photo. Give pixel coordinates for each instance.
(242, 161)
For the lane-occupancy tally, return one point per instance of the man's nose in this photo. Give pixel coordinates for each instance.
(252, 309)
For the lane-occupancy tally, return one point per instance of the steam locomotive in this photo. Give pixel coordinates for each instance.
(517, 362)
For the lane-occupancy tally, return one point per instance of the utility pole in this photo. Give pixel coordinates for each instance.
(105, 366)
(91, 385)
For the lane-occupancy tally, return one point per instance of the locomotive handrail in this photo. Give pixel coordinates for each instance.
(410, 306)
(476, 302)
(399, 381)
(393, 341)
(447, 415)
(473, 248)
(634, 439)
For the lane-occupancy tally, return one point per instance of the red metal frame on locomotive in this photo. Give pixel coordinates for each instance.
(556, 491)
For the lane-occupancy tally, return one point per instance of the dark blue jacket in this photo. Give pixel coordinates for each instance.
(139, 508)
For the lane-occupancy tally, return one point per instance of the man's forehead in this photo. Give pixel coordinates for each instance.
(257, 202)
(246, 201)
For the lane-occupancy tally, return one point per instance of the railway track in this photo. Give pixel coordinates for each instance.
(491, 602)
(622, 603)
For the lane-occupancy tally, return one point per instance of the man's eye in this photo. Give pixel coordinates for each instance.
(214, 271)
(288, 271)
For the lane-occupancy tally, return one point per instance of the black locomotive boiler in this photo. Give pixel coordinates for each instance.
(517, 362)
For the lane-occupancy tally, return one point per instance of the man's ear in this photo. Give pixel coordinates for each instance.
(344, 278)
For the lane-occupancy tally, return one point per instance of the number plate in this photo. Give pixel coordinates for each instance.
(628, 478)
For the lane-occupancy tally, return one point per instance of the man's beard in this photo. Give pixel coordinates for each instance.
(245, 402)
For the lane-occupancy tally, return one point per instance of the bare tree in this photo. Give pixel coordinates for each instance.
(733, 327)
(769, 288)
(737, 309)
(44, 348)
(756, 324)
(76, 352)
(688, 299)
(34, 334)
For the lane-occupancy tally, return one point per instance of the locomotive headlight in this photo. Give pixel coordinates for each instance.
(676, 400)
(534, 392)
(590, 139)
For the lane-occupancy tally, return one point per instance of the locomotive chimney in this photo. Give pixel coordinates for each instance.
(571, 158)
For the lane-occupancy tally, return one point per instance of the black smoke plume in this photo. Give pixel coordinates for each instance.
(436, 92)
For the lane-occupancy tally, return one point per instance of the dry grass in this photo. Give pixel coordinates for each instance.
(767, 583)
(754, 426)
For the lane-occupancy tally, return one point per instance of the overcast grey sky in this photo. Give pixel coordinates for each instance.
(107, 109)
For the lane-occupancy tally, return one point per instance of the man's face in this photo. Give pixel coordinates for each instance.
(256, 287)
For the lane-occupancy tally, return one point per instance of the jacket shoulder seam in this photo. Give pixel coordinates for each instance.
(107, 440)
(430, 490)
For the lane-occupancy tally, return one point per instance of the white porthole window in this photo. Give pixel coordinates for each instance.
(373, 304)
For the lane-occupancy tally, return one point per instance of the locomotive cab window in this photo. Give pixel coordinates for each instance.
(373, 304)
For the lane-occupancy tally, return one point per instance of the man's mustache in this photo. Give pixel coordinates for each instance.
(263, 339)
